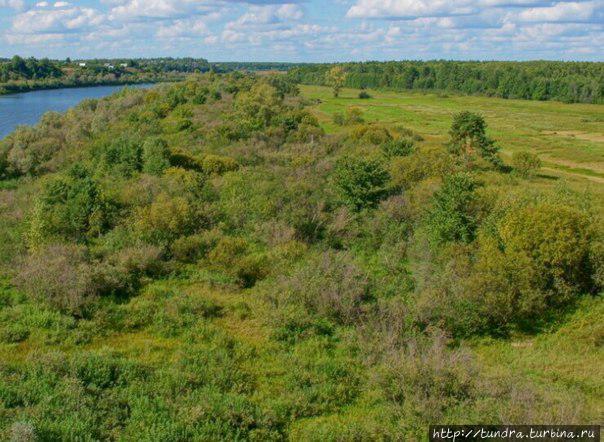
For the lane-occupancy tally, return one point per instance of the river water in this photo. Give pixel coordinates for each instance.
(28, 107)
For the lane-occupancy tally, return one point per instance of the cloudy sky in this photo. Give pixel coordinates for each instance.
(305, 30)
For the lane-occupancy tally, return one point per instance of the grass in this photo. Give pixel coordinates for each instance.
(566, 361)
(569, 138)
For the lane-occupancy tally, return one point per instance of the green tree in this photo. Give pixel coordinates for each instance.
(451, 217)
(468, 138)
(361, 182)
(336, 77)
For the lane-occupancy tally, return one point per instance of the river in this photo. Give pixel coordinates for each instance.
(28, 107)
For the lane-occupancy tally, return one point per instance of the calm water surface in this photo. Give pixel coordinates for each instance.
(28, 107)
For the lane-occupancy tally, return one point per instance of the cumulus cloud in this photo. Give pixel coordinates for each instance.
(59, 20)
(410, 9)
(312, 30)
(561, 12)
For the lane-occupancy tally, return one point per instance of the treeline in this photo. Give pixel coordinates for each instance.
(22, 75)
(573, 82)
(28, 69)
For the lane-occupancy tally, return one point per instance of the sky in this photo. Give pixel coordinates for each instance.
(305, 30)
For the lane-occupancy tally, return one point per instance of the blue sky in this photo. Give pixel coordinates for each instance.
(310, 30)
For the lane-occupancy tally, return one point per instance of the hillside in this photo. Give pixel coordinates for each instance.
(233, 257)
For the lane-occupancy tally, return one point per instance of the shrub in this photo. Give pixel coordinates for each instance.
(372, 134)
(122, 156)
(194, 247)
(400, 147)
(330, 285)
(233, 256)
(361, 182)
(426, 380)
(525, 164)
(354, 115)
(72, 206)
(451, 217)
(156, 156)
(409, 170)
(339, 119)
(218, 165)
(164, 220)
(364, 95)
(60, 276)
(551, 242)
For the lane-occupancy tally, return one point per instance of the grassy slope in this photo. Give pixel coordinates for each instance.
(567, 359)
(576, 148)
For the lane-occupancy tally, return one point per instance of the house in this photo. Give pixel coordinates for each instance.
(124, 65)
(82, 65)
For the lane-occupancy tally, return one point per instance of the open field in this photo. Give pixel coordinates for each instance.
(569, 138)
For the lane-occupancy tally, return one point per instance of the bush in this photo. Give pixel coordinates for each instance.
(426, 381)
(361, 182)
(233, 256)
(409, 170)
(194, 247)
(156, 156)
(451, 217)
(525, 164)
(330, 285)
(364, 95)
(372, 134)
(400, 147)
(60, 276)
(217, 165)
(72, 206)
(166, 219)
(539, 258)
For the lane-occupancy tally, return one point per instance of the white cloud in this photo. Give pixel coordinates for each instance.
(38, 21)
(14, 4)
(186, 28)
(409, 9)
(560, 12)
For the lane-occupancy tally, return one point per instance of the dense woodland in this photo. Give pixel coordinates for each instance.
(572, 82)
(20, 75)
(200, 261)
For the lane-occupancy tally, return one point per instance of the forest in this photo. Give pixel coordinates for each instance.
(213, 260)
(571, 82)
(21, 75)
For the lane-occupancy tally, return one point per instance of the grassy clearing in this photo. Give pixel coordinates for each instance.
(567, 137)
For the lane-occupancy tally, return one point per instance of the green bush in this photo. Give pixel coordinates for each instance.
(166, 219)
(400, 147)
(156, 156)
(361, 183)
(525, 164)
(218, 165)
(451, 217)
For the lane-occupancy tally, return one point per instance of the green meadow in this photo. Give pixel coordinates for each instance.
(569, 138)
